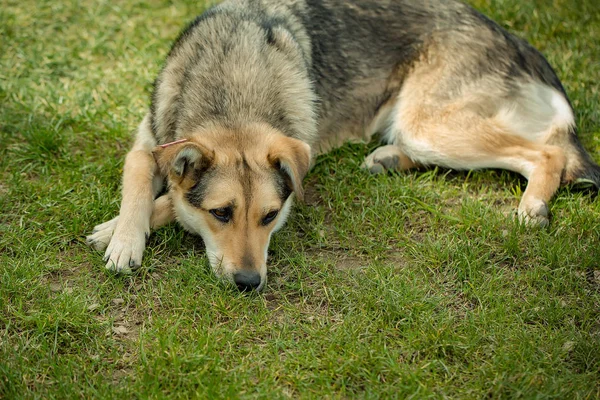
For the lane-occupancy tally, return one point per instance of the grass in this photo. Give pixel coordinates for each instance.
(394, 286)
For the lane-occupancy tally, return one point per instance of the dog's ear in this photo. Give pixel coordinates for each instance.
(292, 158)
(184, 162)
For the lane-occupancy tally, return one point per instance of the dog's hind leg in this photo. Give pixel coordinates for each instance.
(457, 137)
(388, 158)
(140, 186)
(543, 166)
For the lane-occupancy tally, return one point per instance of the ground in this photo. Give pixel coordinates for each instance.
(415, 284)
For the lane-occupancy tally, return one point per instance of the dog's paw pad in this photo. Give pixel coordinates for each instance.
(378, 166)
(388, 163)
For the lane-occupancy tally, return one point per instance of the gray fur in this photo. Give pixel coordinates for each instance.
(320, 70)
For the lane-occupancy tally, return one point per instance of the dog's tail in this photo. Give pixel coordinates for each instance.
(589, 177)
(581, 171)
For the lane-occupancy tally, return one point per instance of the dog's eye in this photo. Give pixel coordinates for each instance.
(270, 217)
(222, 214)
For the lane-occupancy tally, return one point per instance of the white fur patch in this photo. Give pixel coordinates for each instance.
(283, 215)
(564, 113)
(536, 113)
(191, 221)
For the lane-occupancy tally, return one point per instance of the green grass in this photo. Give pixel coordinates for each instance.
(417, 284)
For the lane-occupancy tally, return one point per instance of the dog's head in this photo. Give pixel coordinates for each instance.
(234, 188)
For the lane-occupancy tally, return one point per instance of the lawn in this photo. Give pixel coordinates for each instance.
(418, 284)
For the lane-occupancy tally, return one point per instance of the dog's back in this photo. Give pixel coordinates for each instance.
(238, 63)
(339, 66)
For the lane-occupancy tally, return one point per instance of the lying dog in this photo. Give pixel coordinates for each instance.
(253, 89)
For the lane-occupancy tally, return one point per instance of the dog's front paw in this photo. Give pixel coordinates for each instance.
(125, 251)
(534, 213)
(101, 235)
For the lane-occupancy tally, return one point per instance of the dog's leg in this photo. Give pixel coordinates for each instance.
(461, 139)
(543, 166)
(127, 244)
(140, 185)
(387, 158)
(162, 214)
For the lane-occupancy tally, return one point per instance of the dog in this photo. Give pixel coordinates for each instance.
(253, 90)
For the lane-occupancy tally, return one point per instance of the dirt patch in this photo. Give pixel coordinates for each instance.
(593, 278)
(396, 258)
(128, 314)
(311, 195)
(312, 307)
(343, 260)
(127, 321)
(345, 263)
(339, 259)
(68, 275)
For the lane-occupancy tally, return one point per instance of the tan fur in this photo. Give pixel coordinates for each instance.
(162, 213)
(260, 150)
(128, 240)
(479, 129)
(293, 156)
(256, 88)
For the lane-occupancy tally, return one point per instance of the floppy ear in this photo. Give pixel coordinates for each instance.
(292, 158)
(183, 163)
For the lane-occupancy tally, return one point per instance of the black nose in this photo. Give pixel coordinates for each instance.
(246, 280)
